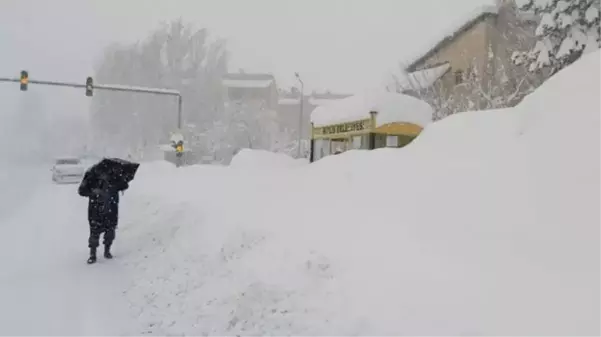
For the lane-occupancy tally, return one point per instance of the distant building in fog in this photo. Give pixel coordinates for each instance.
(251, 88)
(289, 108)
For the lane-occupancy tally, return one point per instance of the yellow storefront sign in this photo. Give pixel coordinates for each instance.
(343, 129)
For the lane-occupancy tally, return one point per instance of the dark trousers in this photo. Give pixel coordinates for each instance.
(97, 228)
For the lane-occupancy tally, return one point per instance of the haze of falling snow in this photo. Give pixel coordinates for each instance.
(66, 39)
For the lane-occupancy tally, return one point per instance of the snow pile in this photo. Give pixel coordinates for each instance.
(579, 103)
(390, 107)
(262, 159)
(492, 234)
(322, 101)
(489, 133)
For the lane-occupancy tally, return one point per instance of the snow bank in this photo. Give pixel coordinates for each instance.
(490, 131)
(485, 225)
(391, 107)
(261, 159)
(558, 99)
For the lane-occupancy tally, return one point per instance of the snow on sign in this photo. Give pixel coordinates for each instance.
(389, 107)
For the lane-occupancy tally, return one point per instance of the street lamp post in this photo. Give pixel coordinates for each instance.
(300, 115)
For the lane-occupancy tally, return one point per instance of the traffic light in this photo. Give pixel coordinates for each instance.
(24, 80)
(89, 87)
(179, 148)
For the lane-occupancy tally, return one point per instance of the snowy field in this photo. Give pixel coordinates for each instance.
(488, 224)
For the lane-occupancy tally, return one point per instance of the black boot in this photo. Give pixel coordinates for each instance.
(92, 258)
(107, 252)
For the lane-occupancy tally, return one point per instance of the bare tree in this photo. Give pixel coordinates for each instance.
(246, 125)
(494, 87)
(174, 56)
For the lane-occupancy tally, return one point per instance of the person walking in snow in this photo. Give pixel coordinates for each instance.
(103, 210)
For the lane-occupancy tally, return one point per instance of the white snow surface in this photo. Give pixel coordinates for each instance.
(265, 160)
(45, 287)
(591, 14)
(486, 224)
(391, 107)
(322, 101)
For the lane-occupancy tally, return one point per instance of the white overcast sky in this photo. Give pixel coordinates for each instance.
(342, 45)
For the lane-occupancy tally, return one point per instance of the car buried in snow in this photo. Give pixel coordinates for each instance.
(68, 170)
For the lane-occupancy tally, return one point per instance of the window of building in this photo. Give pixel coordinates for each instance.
(321, 148)
(360, 142)
(338, 146)
(458, 76)
(392, 141)
(405, 139)
(469, 73)
(357, 142)
(379, 141)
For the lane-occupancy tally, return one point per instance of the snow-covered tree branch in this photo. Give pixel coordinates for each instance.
(567, 29)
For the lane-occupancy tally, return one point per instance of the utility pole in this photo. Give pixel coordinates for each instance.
(300, 115)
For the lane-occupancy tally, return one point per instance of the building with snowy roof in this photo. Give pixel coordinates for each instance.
(368, 121)
(251, 88)
(289, 108)
(470, 63)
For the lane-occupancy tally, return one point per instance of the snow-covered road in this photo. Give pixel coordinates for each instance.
(45, 286)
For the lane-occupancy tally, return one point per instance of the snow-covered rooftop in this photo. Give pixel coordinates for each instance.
(449, 34)
(390, 107)
(247, 80)
(247, 83)
(422, 79)
(289, 101)
(322, 101)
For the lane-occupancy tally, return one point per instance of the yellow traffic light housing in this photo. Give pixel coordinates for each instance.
(24, 80)
(179, 148)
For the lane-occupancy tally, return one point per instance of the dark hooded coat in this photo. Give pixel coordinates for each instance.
(103, 204)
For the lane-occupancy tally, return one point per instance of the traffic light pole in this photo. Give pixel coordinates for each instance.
(145, 90)
(112, 87)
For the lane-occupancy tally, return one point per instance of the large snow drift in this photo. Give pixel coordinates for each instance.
(263, 160)
(487, 224)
